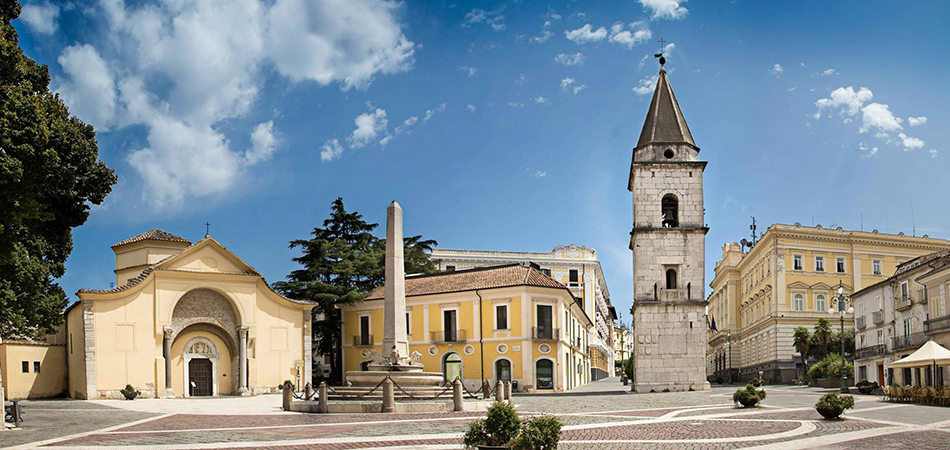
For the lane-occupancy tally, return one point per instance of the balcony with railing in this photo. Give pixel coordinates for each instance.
(545, 334)
(363, 340)
(861, 322)
(441, 337)
(877, 317)
(870, 352)
(937, 325)
(912, 340)
(903, 302)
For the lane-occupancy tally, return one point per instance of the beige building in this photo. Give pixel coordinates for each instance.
(185, 319)
(576, 267)
(788, 280)
(508, 322)
(32, 369)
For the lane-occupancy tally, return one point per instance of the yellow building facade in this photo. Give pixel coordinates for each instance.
(32, 369)
(509, 323)
(186, 319)
(788, 279)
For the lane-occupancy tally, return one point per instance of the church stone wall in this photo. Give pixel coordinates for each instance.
(669, 350)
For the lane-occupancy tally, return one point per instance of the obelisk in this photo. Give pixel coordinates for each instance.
(394, 306)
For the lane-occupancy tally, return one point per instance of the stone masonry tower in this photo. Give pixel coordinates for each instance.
(668, 243)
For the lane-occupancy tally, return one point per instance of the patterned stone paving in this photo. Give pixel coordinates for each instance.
(607, 418)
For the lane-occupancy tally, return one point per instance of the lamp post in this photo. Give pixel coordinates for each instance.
(729, 344)
(842, 301)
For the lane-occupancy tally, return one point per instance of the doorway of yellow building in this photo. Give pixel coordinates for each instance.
(452, 366)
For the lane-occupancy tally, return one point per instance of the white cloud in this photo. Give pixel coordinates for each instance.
(792, 89)
(263, 143)
(933, 153)
(801, 64)
(522, 80)
(41, 17)
(664, 9)
(586, 34)
(864, 148)
(846, 98)
(494, 18)
(471, 71)
(910, 143)
(90, 87)
(541, 100)
(627, 38)
(471, 107)
(878, 115)
(777, 69)
(540, 174)
(181, 67)
(579, 87)
(568, 84)
(646, 85)
(827, 72)
(331, 150)
(543, 37)
(431, 112)
(516, 104)
(369, 126)
(570, 60)
(916, 121)
(406, 124)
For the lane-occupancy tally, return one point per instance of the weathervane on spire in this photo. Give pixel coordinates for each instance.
(660, 54)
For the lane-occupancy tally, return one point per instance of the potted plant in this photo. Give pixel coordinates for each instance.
(129, 392)
(748, 397)
(832, 405)
(866, 387)
(503, 429)
(756, 382)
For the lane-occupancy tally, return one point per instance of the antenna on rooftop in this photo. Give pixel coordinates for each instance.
(913, 221)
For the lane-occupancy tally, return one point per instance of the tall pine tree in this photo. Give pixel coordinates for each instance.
(49, 175)
(342, 262)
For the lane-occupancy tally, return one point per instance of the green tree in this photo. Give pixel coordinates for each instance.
(823, 335)
(342, 262)
(49, 176)
(802, 343)
(835, 343)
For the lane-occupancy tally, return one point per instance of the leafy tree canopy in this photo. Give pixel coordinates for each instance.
(49, 175)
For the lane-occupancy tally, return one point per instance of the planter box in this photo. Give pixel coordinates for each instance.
(831, 383)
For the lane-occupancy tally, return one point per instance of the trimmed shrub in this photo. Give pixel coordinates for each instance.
(498, 429)
(129, 392)
(830, 367)
(538, 433)
(748, 397)
(756, 382)
(832, 405)
(866, 387)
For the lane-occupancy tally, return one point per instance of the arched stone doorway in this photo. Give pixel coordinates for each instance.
(205, 347)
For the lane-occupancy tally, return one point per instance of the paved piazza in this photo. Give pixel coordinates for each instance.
(599, 416)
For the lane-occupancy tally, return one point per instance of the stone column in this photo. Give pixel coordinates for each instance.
(242, 360)
(394, 306)
(167, 354)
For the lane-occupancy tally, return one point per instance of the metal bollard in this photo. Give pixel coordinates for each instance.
(322, 392)
(508, 391)
(389, 400)
(457, 395)
(288, 396)
(499, 391)
(486, 390)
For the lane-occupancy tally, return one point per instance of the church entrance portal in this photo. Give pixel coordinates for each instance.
(200, 376)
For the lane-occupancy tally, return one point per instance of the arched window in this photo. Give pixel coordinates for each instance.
(670, 206)
(799, 302)
(671, 278)
(820, 303)
(503, 370)
(544, 372)
(452, 366)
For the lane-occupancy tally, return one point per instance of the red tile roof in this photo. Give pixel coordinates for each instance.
(472, 279)
(153, 235)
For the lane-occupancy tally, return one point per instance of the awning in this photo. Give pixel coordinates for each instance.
(929, 354)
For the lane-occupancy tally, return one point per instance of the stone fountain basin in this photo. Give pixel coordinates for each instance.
(413, 377)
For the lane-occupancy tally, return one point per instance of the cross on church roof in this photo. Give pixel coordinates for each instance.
(207, 229)
(660, 53)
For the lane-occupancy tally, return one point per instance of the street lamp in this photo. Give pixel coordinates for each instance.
(729, 344)
(842, 301)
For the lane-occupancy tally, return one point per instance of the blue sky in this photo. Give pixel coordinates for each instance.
(496, 125)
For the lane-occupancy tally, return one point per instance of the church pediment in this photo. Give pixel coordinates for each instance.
(207, 255)
(798, 285)
(821, 286)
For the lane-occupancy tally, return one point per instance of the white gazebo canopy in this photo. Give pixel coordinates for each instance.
(929, 354)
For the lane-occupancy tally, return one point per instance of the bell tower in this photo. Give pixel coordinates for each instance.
(668, 243)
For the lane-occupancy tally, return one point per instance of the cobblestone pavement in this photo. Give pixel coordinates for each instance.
(603, 415)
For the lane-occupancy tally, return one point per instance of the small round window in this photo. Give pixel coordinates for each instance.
(669, 153)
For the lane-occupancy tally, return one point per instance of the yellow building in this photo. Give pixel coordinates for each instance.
(507, 322)
(184, 320)
(788, 280)
(32, 369)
